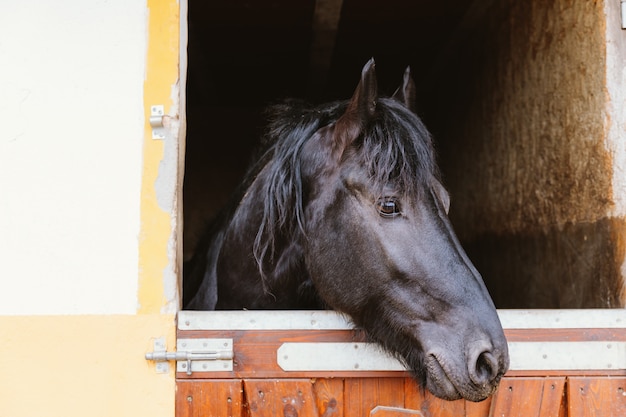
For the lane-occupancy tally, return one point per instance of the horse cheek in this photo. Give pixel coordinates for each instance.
(334, 266)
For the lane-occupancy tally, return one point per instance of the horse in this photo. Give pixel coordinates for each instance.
(344, 209)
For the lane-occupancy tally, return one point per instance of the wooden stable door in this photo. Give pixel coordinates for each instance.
(314, 364)
(395, 397)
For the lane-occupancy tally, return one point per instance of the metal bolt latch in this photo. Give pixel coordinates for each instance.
(199, 355)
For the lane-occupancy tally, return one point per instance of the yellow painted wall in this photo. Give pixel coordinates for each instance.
(162, 169)
(83, 366)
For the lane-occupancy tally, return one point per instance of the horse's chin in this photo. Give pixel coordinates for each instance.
(438, 382)
(445, 385)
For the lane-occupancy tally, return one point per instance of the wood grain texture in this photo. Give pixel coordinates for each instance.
(329, 397)
(590, 397)
(480, 409)
(419, 399)
(554, 397)
(362, 395)
(528, 397)
(219, 398)
(287, 398)
(396, 397)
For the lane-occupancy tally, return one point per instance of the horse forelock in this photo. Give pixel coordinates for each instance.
(397, 150)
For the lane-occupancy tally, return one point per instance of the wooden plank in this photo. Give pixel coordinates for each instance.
(413, 394)
(209, 398)
(564, 335)
(329, 396)
(479, 409)
(517, 397)
(362, 395)
(286, 397)
(256, 346)
(528, 397)
(553, 402)
(559, 372)
(256, 351)
(590, 397)
(417, 398)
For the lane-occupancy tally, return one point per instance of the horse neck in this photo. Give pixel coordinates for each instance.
(283, 281)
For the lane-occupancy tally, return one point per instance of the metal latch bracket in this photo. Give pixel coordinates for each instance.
(157, 114)
(194, 355)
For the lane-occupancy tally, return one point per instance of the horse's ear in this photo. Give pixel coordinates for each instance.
(363, 101)
(335, 138)
(361, 107)
(406, 93)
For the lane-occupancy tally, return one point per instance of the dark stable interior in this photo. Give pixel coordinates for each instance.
(476, 72)
(244, 55)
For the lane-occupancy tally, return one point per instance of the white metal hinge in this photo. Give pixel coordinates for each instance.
(194, 355)
(157, 113)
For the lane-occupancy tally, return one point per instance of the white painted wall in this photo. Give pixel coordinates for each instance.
(72, 125)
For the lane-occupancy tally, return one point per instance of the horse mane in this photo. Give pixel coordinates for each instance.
(291, 124)
(396, 148)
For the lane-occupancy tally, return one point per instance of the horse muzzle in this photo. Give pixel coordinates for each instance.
(475, 380)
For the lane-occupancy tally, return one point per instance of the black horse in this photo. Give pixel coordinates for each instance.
(344, 210)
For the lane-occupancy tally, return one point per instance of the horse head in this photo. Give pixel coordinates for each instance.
(379, 245)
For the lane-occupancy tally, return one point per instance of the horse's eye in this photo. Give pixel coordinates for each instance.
(388, 207)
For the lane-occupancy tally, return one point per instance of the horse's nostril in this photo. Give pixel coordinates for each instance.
(485, 370)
